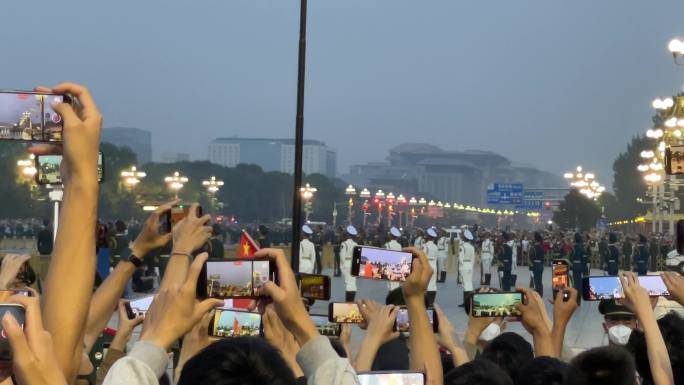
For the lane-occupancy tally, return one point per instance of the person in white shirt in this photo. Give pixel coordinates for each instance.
(346, 255)
(307, 251)
(393, 244)
(487, 255)
(442, 256)
(514, 264)
(430, 249)
(466, 260)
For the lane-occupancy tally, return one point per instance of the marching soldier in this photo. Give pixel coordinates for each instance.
(486, 257)
(419, 241)
(642, 256)
(611, 264)
(346, 255)
(577, 257)
(457, 246)
(430, 249)
(627, 252)
(307, 251)
(442, 256)
(393, 244)
(506, 261)
(536, 254)
(466, 260)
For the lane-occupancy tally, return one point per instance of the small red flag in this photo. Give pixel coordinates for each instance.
(236, 326)
(246, 250)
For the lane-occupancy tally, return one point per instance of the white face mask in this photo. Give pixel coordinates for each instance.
(619, 334)
(491, 331)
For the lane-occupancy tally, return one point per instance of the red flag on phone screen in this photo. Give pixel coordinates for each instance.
(246, 250)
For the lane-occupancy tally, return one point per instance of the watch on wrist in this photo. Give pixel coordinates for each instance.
(132, 258)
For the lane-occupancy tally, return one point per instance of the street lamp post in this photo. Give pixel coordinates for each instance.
(401, 204)
(307, 192)
(213, 185)
(132, 177)
(176, 182)
(413, 203)
(390, 208)
(350, 191)
(365, 194)
(585, 183)
(379, 197)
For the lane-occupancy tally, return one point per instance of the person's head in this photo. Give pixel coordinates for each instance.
(542, 371)
(618, 321)
(477, 372)
(604, 365)
(351, 232)
(431, 233)
(672, 328)
(538, 237)
(578, 238)
(120, 226)
(506, 236)
(510, 352)
(46, 222)
(307, 231)
(237, 361)
(215, 230)
(642, 238)
(263, 230)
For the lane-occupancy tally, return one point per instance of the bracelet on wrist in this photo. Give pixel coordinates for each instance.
(179, 253)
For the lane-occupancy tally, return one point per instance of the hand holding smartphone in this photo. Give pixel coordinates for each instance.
(495, 304)
(381, 264)
(29, 116)
(235, 323)
(19, 313)
(175, 215)
(138, 307)
(48, 169)
(235, 278)
(345, 312)
(392, 377)
(403, 323)
(609, 287)
(314, 286)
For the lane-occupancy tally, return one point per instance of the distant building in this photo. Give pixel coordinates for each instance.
(451, 176)
(139, 141)
(273, 154)
(173, 157)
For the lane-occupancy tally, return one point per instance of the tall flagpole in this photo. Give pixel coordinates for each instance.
(299, 141)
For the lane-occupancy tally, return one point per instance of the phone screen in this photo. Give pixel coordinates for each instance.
(28, 116)
(325, 326)
(139, 307)
(392, 378)
(674, 160)
(344, 312)
(560, 275)
(608, 287)
(48, 169)
(496, 304)
(375, 263)
(314, 286)
(235, 323)
(403, 323)
(19, 314)
(234, 278)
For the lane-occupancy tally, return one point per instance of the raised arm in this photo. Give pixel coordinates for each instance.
(637, 299)
(107, 295)
(423, 344)
(534, 320)
(380, 331)
(69, 283)
(448, 340)
(562, 312)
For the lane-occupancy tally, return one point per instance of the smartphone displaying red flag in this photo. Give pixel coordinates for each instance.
(246, 250)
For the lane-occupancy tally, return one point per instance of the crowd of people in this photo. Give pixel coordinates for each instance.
(66, 317)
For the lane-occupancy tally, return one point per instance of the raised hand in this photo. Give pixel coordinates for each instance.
(191, 232)
(11, 264)
(417, 282)
(675, 285)
(276, 333)
(149, 237)
(636, 297)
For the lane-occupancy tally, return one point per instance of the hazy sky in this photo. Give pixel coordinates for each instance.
(549, 83)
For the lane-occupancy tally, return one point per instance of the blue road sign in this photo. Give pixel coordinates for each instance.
(505, 194)
(532, 200)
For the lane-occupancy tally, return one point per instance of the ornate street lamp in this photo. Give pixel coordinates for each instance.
(132, 177)
(176, 182)
(307, 192)
(350, 191)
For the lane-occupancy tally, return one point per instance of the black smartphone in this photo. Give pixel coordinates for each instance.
(28, 116)
(47, 169)
(138, 307)
(403, 323)
(314, 286)
(325, 326)
(235, 278)
(495, 304)
(344, 312)
(674, 160)
(377, 263)
(19, 314)
(401, 377)
(175, 215)
(609, 287)
(235, 323)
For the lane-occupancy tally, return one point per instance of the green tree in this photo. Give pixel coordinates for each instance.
(628, 183)
(577, 212)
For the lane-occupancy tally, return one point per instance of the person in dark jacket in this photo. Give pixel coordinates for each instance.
(215, 245)
(642, 256)
(44, 239)
(578, 258)
(536, 254)
(611, 263)
(506, 261)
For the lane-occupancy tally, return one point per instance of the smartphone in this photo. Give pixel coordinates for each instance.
(344, 312)
(314, 286)
(377, 263)
(398, 377)
(47, 167)
(138, 307)
(674, 160)
(235, 323)
(325, 326)
(403, 323)
(608, 287)
(234, 278)
(175, 215)
(496, 304)
(560, 274)
(28, 116)
(19, 314)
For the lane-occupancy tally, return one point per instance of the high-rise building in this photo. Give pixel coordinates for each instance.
(273, 154)
(173, 157)
(139, 141)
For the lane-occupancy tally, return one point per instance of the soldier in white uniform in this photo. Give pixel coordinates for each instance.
(307, 251)
(466, 260)
(419, 242)
(393, 244)
(514, 266)
(487, 255)
(346, 255)
(430, 249)
(442, 256)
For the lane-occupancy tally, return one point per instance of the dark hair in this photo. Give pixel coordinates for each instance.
(542, 371)
(538, 237)
(46, 222)
(393, 355)
(672, 328)
(578, 238)
(680, 236)
(480, 372)
(237, 361)
(510, 352)
(604, 365)
(396, 297)
(612, 237)
(216, 229)
(120, 226)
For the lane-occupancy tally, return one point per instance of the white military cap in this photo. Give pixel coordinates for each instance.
(307, 230)
(351, 230)
(395, 231)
